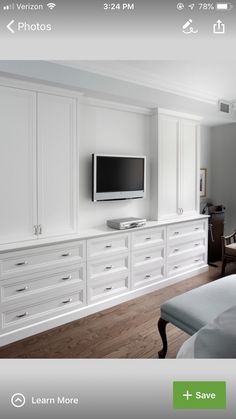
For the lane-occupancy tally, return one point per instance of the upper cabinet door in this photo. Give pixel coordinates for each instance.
(189, 167)
(57, 155)
(18, 213)
(168, 167)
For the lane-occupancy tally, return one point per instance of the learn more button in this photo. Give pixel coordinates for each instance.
(199, 395)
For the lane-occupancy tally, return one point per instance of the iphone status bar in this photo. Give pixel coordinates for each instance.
(93, 16)
(133, 27)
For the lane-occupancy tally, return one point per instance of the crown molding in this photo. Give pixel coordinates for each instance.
(43, 87)
(101, 103)
(183, 115)
(125, 72)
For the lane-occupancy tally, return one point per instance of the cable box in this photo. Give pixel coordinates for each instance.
(126, 223)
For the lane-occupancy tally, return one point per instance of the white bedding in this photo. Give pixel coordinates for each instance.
(215, 340)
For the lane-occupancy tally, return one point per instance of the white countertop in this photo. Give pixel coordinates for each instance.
(91, 233)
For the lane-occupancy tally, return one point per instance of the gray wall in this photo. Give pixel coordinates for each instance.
(218, 156)
(223, 184)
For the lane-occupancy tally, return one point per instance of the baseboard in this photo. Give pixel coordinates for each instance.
(62, 319)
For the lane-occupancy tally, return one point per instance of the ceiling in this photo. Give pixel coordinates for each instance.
(207, 82)
(185, 86)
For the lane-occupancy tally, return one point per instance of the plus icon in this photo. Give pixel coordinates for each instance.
(187, 395)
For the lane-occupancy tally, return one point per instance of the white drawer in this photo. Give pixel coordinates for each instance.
(23, 261)
(108, 266)
(29, 285)
(148, 237)
(188, 264)
(152, 274)
(105, 246)
(185, 230)
(178, 249)
(105, 289)
(148, 255)
(36, 311)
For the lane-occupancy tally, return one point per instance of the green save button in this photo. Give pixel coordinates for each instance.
(199, 395)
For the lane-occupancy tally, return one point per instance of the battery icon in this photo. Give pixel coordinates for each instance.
(224, 6)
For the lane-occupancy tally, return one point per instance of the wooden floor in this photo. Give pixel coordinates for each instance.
(125, 331)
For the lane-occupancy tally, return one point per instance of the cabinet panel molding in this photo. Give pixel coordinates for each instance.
(18, 209)
(178, 166)
(57, 156)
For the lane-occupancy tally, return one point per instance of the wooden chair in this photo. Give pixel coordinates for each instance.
(228, 250)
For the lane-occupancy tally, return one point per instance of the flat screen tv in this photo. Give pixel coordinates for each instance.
(118, 177)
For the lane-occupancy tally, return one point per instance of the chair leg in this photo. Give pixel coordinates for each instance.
(223, 266)
(162, 330)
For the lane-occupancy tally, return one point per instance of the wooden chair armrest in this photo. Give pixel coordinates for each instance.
(228, 239)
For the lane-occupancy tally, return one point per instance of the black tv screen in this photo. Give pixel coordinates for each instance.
(118, 177)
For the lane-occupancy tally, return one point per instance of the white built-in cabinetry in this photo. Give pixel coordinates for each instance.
(45, 285)
(57, 157)
(177, 154)
(50, 273)
(38, 172)
(148, 257)
(18, 167)
(108, 267)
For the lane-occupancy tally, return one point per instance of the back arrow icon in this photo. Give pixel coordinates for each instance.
(9, 26)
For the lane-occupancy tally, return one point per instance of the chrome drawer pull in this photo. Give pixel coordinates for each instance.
(176, 233)
(108, 288)
(67, 278)
(67, 301)
(108, 268)
(64, 255)
(148, 276)
(176, 267)
(108, 246)
(196, 244)
(22, 289)
(197, 260)
(148, 257)
(176, 250)
(22, 263)
(197, 228)
(148, 238)
(19, 316)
